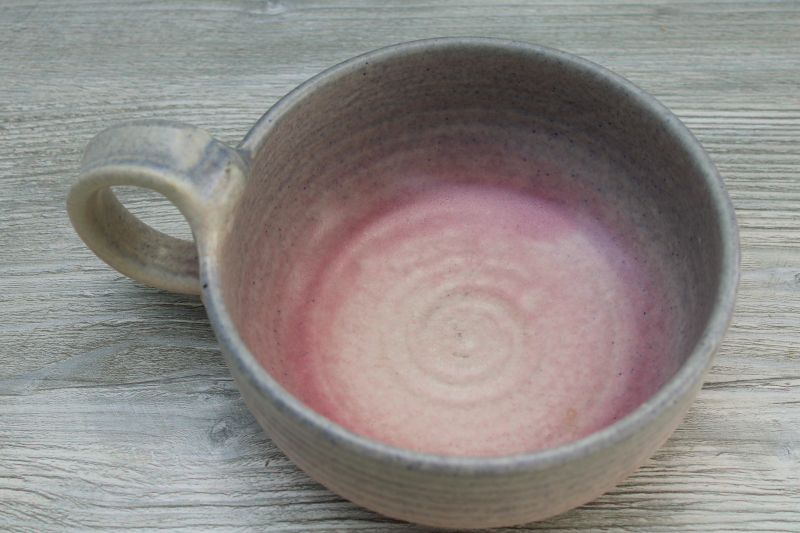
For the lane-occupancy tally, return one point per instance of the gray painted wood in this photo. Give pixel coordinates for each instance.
(116, 409)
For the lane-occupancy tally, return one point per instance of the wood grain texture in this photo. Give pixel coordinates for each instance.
(116, 409)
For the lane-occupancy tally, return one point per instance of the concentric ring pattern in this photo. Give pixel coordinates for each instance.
(476, 320)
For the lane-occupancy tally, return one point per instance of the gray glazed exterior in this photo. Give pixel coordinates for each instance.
(459, 492)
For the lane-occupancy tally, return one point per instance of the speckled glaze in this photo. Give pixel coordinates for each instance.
(423, 156)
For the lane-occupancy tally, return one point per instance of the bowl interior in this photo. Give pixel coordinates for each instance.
(472, 241)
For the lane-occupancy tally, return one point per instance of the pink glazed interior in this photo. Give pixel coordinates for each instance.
(437, 265)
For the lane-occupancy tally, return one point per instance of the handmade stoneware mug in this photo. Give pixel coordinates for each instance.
(461, 282)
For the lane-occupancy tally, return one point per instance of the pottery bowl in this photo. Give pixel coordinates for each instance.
(386, 383)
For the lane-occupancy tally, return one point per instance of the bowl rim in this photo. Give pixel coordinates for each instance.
(687, 379)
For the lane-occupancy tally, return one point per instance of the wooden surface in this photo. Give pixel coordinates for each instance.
(116, 409)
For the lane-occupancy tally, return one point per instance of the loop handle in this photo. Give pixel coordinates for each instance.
(203, 177)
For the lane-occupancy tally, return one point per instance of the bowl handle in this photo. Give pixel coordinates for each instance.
(203, 177)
